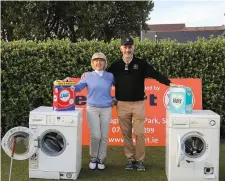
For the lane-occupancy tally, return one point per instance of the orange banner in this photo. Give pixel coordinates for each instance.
(156, 104)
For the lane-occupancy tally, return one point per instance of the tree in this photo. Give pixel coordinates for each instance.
(76, 20)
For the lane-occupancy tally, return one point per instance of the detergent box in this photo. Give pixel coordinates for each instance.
(63, 95)
(181, 100)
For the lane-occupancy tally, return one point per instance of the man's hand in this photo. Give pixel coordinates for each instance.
(174, 85)
(83, 76)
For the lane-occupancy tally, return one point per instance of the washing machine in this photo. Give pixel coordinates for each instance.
(52, 143)
(192, 146)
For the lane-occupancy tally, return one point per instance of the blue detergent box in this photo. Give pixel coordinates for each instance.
(181, 100)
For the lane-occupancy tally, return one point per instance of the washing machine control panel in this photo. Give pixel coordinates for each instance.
(37, 119)
(204, 123)
(62, 120)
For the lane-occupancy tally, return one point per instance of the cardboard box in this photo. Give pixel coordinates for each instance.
(64, 96)
(181, 100)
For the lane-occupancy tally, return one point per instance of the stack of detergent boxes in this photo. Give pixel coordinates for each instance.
(181, 100)
(63, 95)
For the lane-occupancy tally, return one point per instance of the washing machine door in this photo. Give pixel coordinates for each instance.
(180, 150)
(191, 147)
(26, 143)
(195, 145)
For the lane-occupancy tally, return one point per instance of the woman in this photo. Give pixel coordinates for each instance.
(99, 107)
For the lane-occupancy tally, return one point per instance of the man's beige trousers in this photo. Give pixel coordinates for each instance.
(132, 114)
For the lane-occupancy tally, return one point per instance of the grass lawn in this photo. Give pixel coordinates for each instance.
(155, 167)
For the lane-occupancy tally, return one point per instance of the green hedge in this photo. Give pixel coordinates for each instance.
(29, 68)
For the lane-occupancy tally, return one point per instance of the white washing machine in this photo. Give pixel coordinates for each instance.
(52, 143)
(192, 146)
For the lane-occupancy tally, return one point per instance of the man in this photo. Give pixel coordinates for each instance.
(129, 73)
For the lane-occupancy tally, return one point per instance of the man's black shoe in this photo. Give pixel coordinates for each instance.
(139, 165)
(130, 165)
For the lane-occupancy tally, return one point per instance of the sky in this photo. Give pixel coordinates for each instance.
(190, 12)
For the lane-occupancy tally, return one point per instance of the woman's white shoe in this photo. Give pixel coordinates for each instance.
(93, 163)
(101, 166)
(92, 166)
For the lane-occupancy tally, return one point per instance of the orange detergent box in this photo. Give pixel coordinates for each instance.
(63, 95)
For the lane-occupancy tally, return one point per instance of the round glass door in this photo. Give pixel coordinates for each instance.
(23, 140)
(53, 143)
(21, 143)
(194, 146)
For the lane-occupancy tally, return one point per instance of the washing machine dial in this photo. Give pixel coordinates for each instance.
(70, 121)
(69, 175)
(212, 122)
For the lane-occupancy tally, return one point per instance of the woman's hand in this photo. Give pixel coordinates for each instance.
(67, 79)
(114, 102)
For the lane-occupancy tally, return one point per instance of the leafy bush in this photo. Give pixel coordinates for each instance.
(29, 68)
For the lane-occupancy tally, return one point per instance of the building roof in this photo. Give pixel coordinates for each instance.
(180, 32)
(204, 28)
(182, 36)
(181, 27)
(166, 27)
